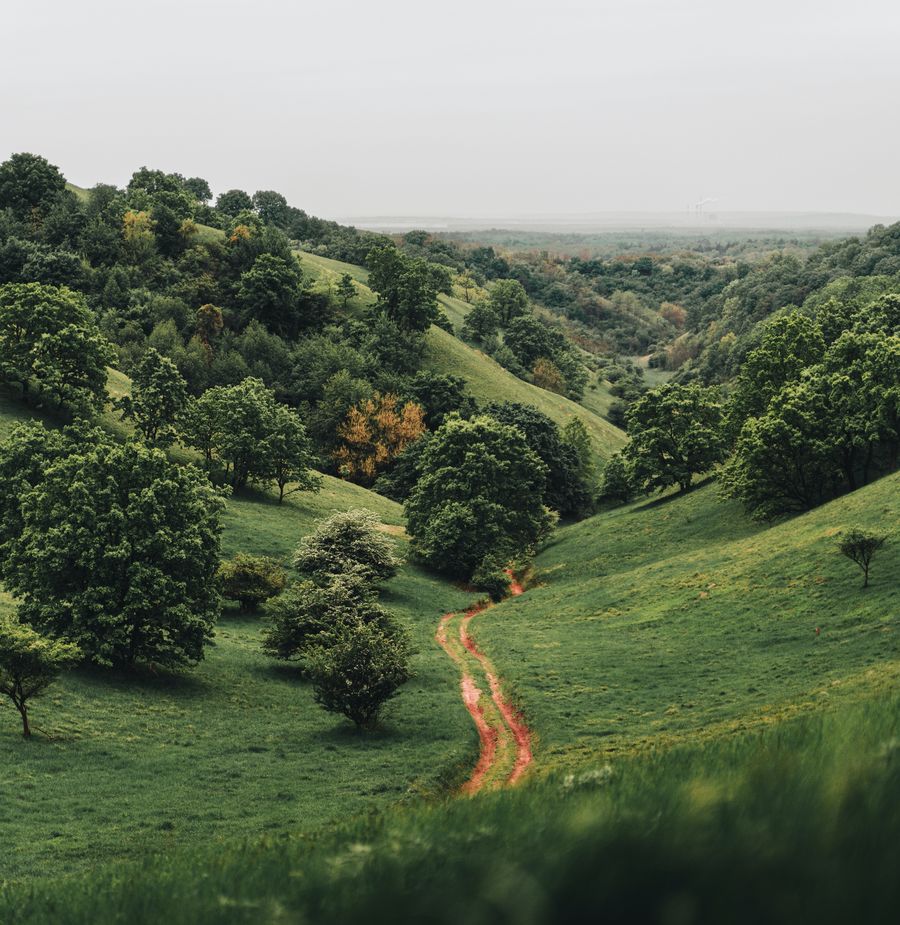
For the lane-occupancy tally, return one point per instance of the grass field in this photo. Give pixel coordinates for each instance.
(791, 823)
(236, 746)
(678, 617)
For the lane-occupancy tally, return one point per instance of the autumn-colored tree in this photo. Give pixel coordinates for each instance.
(209, 326)
(547, 375)
(674, 314)
(374, 433)
(137, 232)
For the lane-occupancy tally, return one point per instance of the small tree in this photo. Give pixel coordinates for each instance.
(289, 454)
(374, 433)
(350, 540)
(860, 546)
(360, 670)
(310, 614)
(158, 399)
(29, 663)
(616, 483)
(251, 580)
(345, 290)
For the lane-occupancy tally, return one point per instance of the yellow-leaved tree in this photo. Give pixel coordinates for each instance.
(374, 433)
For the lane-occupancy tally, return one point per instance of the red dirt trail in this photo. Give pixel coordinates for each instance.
(510, 721)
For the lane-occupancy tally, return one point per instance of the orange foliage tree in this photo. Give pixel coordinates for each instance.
(374, 433)
(547, 375)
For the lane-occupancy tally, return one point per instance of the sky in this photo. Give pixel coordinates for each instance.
(472, 107)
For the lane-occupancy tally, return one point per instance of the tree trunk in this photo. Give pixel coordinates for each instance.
(23, 712)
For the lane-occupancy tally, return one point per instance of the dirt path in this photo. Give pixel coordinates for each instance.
(505, 739)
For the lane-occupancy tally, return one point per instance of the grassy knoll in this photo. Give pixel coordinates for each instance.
(237, 746)
(678, 617)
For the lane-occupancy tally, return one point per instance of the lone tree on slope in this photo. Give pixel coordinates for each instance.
(860, 546)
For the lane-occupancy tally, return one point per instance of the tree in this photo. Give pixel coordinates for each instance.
(407, 289)
(118, 552)
(576, 436)
(374, 434)
(233, 202)
(440, 396)
(564, 489)
(360, 670)
(29, 185)
(29, 663)
(675, 431)
(199, 188)
(482, 323)
(48, 336)
(860, 546)
(789, 345)
(269, 291)
(158, 399)
(481, 492)
(508, 299)
(346, 290)
(784, 461)
(350, 541)
(251, 580)
(466, 282)
(288, 453)
(547, 375)
(310, 614)
(271, 207)
(616, 484)
(209, 326)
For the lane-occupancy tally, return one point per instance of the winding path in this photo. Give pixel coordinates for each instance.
(505, 739)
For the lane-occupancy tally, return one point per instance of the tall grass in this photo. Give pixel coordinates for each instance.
(797, 823)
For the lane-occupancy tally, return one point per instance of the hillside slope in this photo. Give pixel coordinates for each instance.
(158, 762)
(486, 379)
(679, 617)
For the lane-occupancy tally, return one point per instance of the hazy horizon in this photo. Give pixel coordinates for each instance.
(501, 109)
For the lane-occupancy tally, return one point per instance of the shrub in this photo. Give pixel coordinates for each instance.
(308, 614)
(360, 670)
(491, 576)
(251, 580)
(351, 539)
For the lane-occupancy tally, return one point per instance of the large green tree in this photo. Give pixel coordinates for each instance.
(406, 286)
(30, 185)
(118, 552)
(270, 292)
(789, 344)
(507, 299)
(675, 433)
(481, 493)
(49, 338)
(564, 490)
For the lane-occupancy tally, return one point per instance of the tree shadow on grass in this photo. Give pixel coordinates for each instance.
(674, 496)
(145, 678)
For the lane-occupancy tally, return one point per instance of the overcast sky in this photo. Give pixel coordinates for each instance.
(470, 107)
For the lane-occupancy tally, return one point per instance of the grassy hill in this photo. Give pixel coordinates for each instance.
(236, 746)
(486, 379)
(701, 754)
(678, 617)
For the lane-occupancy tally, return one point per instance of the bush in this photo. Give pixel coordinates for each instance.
(492, 576)
(251, 580)
(308, 614)
(349, 540)
(360, 670)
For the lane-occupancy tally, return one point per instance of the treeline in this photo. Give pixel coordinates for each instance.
(813, 412)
